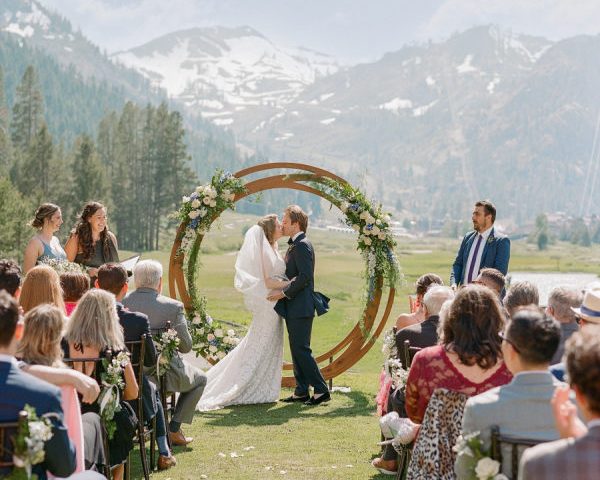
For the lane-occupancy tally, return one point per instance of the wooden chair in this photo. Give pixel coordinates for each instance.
(7, 432)
(95, 374)
(137, 349)
(517, 446)
(166, 398)
(408, 354)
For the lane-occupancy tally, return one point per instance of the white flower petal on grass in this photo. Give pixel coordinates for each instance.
(283, 472)
(268, 467)
(222, 455)
(247, 449)
(349, 466)
(235, 455)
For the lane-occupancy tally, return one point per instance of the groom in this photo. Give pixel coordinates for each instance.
(296, 305)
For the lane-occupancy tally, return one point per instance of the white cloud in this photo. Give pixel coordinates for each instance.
(553, 19)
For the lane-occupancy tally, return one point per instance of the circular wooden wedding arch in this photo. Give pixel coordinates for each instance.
(362, 337)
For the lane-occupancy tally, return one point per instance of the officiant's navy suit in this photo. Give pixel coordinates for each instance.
(496, 254)
(298, 309)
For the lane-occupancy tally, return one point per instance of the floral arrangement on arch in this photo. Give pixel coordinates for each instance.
(481, 466)
(197, 212)
(29, 441)
(113, 381)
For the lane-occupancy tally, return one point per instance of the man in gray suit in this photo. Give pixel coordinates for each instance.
(181, 376)
(577, 455)
(521, 409)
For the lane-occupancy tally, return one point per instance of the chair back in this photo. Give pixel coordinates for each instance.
(516, 446)
(137, 349)
(7, 433)
(408, 353)
(432, 457)
(158, 331)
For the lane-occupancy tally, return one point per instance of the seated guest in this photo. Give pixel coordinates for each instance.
(10, 277)
(577, 455)
(47, 221)
(180, 377)
(19, 388)
(41, 285)
(113, 278)
(425, 334)
(469, 358)
(421, 335)
(521, 408)
(561, 301)
(493, 279)
(74, 285)
(422, 284)
(587, 315)
(521, 294)
(92, 330)
(40, 345)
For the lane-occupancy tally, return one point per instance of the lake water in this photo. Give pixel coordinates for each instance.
(546, 281)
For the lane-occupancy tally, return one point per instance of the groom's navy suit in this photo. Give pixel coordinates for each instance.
(298, 309)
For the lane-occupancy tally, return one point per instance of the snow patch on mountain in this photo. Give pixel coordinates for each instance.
(396, 105)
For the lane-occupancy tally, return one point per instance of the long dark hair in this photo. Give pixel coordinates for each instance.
(472, 327)
(83, 230)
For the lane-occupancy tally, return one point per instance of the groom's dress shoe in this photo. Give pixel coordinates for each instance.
(292, 399)
(317, 401)
(179, 439)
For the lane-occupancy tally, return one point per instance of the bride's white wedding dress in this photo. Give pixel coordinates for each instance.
(251, 372)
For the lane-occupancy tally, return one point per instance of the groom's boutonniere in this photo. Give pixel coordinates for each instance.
(490, 239)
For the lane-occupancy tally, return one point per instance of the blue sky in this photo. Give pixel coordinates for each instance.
(351, 30)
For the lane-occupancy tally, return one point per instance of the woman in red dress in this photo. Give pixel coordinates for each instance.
(468, 359)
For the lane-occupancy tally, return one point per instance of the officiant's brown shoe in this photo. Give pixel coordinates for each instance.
(179, 439)
(292, 399)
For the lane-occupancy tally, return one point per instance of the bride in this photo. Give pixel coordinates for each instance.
(251, 372)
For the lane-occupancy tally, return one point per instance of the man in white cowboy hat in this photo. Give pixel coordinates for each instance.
(587, 315)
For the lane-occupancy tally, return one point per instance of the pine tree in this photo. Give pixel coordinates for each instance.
(34, 179)
(27, 110)
(5, 148)
(88, 181)
(14, 212)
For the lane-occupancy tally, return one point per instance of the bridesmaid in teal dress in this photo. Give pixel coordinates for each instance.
(91, 244)
(47, 221)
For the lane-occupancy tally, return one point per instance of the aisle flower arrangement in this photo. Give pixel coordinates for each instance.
(481, 465)
(113, 382)
(29, 441)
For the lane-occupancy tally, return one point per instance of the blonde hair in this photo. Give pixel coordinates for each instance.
(43, 331)
(94, 323)
(269, 223)
(41, 285)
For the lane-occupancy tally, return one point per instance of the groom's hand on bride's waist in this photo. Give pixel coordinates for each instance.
(276, 296)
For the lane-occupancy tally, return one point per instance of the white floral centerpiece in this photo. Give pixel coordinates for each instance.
(29, 441)
(63, 266)
(197, 212)
(481, 466)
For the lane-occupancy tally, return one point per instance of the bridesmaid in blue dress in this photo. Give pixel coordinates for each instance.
(47, 221)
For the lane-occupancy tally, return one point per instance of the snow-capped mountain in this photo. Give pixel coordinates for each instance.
(220, 72)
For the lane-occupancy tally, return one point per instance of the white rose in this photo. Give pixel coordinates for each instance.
(375, 230)
(195, 203)
(226, 340)
(231, 332)
(377, 222)
(212, 193)
(212, 349)
(200, 189)
(236, 341)
(210, 337)
(344, 207)
(221, 355)
(367, 241)
(193, 214)
(356, 228)
(386, 218)
(218, 333)
(486, 468)
(225, 194)
(366, 233)
(364, 215)
(381, 236)
(231, 197)
(185, 199)
(206, 200)
(201, 331)
(202, 212)
(213, 204)
(197, 321)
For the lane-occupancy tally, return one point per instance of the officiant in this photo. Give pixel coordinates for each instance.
(91, 244)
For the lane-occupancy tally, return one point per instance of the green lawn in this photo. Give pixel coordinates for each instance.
(331, 441)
